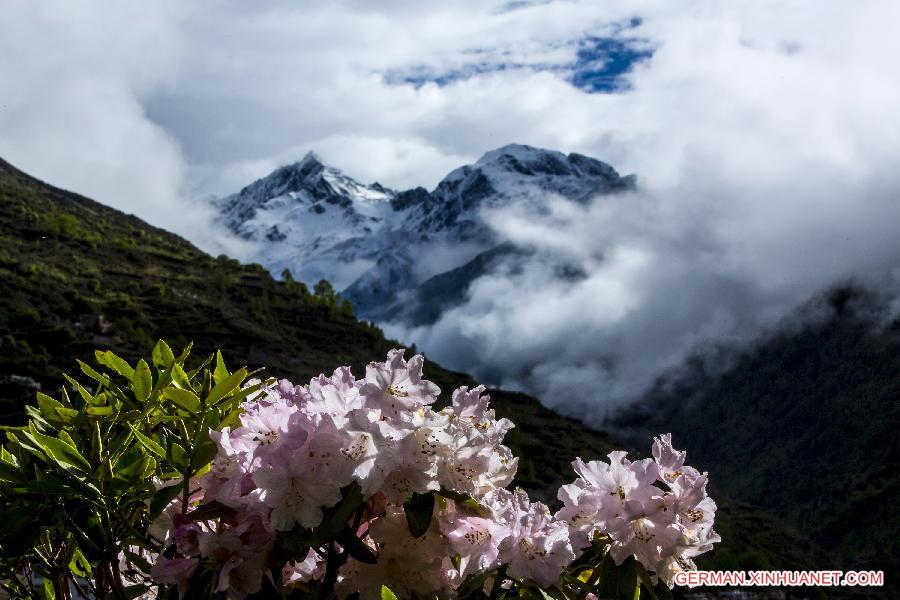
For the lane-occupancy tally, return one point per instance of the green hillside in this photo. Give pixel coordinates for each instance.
(78, 276)
(804, 425)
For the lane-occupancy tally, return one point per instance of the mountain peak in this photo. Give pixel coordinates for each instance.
(520, 152)
(288, 178)
(323, 223)
(310, 158)
(529, 161)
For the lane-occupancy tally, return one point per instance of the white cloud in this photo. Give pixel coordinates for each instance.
(765, 135)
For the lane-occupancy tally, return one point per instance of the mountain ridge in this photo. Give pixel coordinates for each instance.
(369, 240)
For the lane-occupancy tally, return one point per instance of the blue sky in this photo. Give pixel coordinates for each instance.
(599, 63)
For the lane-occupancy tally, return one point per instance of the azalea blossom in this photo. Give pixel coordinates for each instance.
(539, 546)
(354, 451)
(409, 566)
(176, 571)
(309, 569)
(655, 509)
(396, 385)
(305, 473)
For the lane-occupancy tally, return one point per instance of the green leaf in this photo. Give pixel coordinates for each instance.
(65, 437)
(202, 367)
(10, 473)
(48, 406)
(239, 395)
(210, 510)
(143, 381)
(607, 587)
(138, 560)
(162, 498)
(662, 591)
(204, 454)
(115, 363)
(232, 418)
(627, 581)
(226, 386)
(181, 378)
(135, 469)
(97, 439)
(464, 501)
(334, 520)
(387, 594)
(352, 499)
(162, 355)
(100, 411)
(87, 541)
(186, 399)
(472, 586)
(136, 591)
(544, 594)
(147, 442)
(85, 395)
(80, 565)
(184, 354)
(101, 379)
(7, 458)
(179, 455)
(64, 454)
(646, 581)
(220, 373)
(419, 509)
(149, 468)
(47, 592)
(66, 414)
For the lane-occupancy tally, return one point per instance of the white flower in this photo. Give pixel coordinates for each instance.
(305, 473)
(397, 385)
(538, 546)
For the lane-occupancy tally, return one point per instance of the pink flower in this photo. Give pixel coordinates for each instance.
(176, 571)
(538, 547)
(409, 566)
(397, 385)
(240, 548)
(662, 527)
(228, 480)
(476, 540)
(309, 569)
(305, 474)
(336, 395)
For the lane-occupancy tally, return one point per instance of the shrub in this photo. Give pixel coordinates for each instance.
(80, 484)
(204, 484)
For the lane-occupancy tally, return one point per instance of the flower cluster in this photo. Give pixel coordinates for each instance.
(654, 509)
(302, 452)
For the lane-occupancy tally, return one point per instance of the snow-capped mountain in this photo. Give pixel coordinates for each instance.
(404, 255)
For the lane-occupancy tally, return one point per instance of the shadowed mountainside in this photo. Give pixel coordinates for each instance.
(803, 425)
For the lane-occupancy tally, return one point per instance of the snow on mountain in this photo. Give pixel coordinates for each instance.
(311, 219)
(403, 255)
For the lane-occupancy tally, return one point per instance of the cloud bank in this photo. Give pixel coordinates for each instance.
(765, 136)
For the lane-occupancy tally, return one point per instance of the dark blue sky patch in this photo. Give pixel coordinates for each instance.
(602, 63)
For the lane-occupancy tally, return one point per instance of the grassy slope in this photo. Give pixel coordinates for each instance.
(65, 261)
